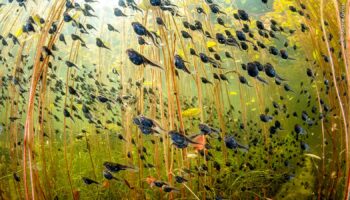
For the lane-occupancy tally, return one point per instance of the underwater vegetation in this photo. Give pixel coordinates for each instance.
(160, 99)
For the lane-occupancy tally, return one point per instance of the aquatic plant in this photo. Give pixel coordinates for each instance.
(180, 100)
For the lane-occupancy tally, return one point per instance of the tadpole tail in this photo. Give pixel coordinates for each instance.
(154, 38)
(262, 80)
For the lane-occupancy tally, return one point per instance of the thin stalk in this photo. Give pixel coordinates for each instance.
(347, 182)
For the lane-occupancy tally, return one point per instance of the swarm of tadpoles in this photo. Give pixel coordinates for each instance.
(149, 126)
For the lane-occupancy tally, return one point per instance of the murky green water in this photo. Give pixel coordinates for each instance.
(243, 99)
